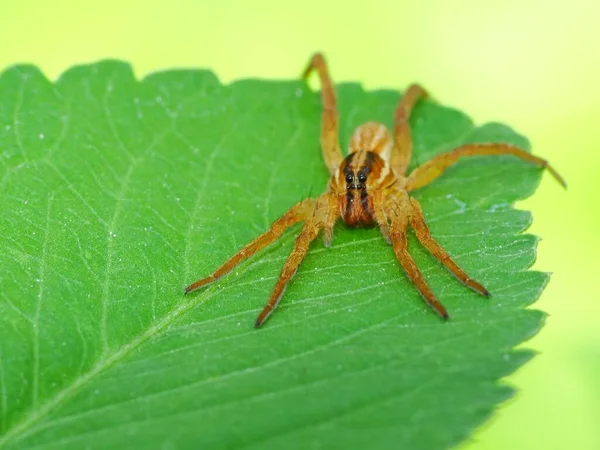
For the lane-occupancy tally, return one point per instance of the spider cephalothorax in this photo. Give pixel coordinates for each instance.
(369, 187)
(355, 201)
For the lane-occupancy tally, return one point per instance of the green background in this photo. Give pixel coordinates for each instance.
(530, 64)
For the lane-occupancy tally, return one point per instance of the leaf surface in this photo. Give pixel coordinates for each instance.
(117, 193)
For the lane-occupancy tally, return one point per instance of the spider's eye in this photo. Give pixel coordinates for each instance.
(362, 177)
(349, 178)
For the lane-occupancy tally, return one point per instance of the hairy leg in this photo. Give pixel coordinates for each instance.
(403, 142)
(417, 222)
(400, 245)
(297, 213)
(429, 171)
(329, 122)
(310, 231)
(328, 210)
(380, 215)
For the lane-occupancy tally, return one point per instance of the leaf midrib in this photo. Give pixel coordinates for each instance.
(457, 337)
(19, 430)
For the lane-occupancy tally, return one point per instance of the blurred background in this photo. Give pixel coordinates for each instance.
(532, 64)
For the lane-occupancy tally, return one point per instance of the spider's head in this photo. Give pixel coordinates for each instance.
(356, 179)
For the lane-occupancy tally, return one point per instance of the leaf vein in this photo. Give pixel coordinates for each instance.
(38, 307)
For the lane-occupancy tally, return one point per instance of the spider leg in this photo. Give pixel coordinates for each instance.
(429, 171)
(417, 222)
(297, 213)
(400, 245)
(330, 213)
(310, 231)
(380, 215)
(403, 144)
(330, 145)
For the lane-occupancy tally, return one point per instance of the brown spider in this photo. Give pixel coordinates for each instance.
(369, 187)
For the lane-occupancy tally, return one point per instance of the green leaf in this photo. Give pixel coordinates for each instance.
(117, 193)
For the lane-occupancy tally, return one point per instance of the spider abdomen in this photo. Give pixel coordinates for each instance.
(373, 137)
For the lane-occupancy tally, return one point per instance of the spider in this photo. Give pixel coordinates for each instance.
(369, 187)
